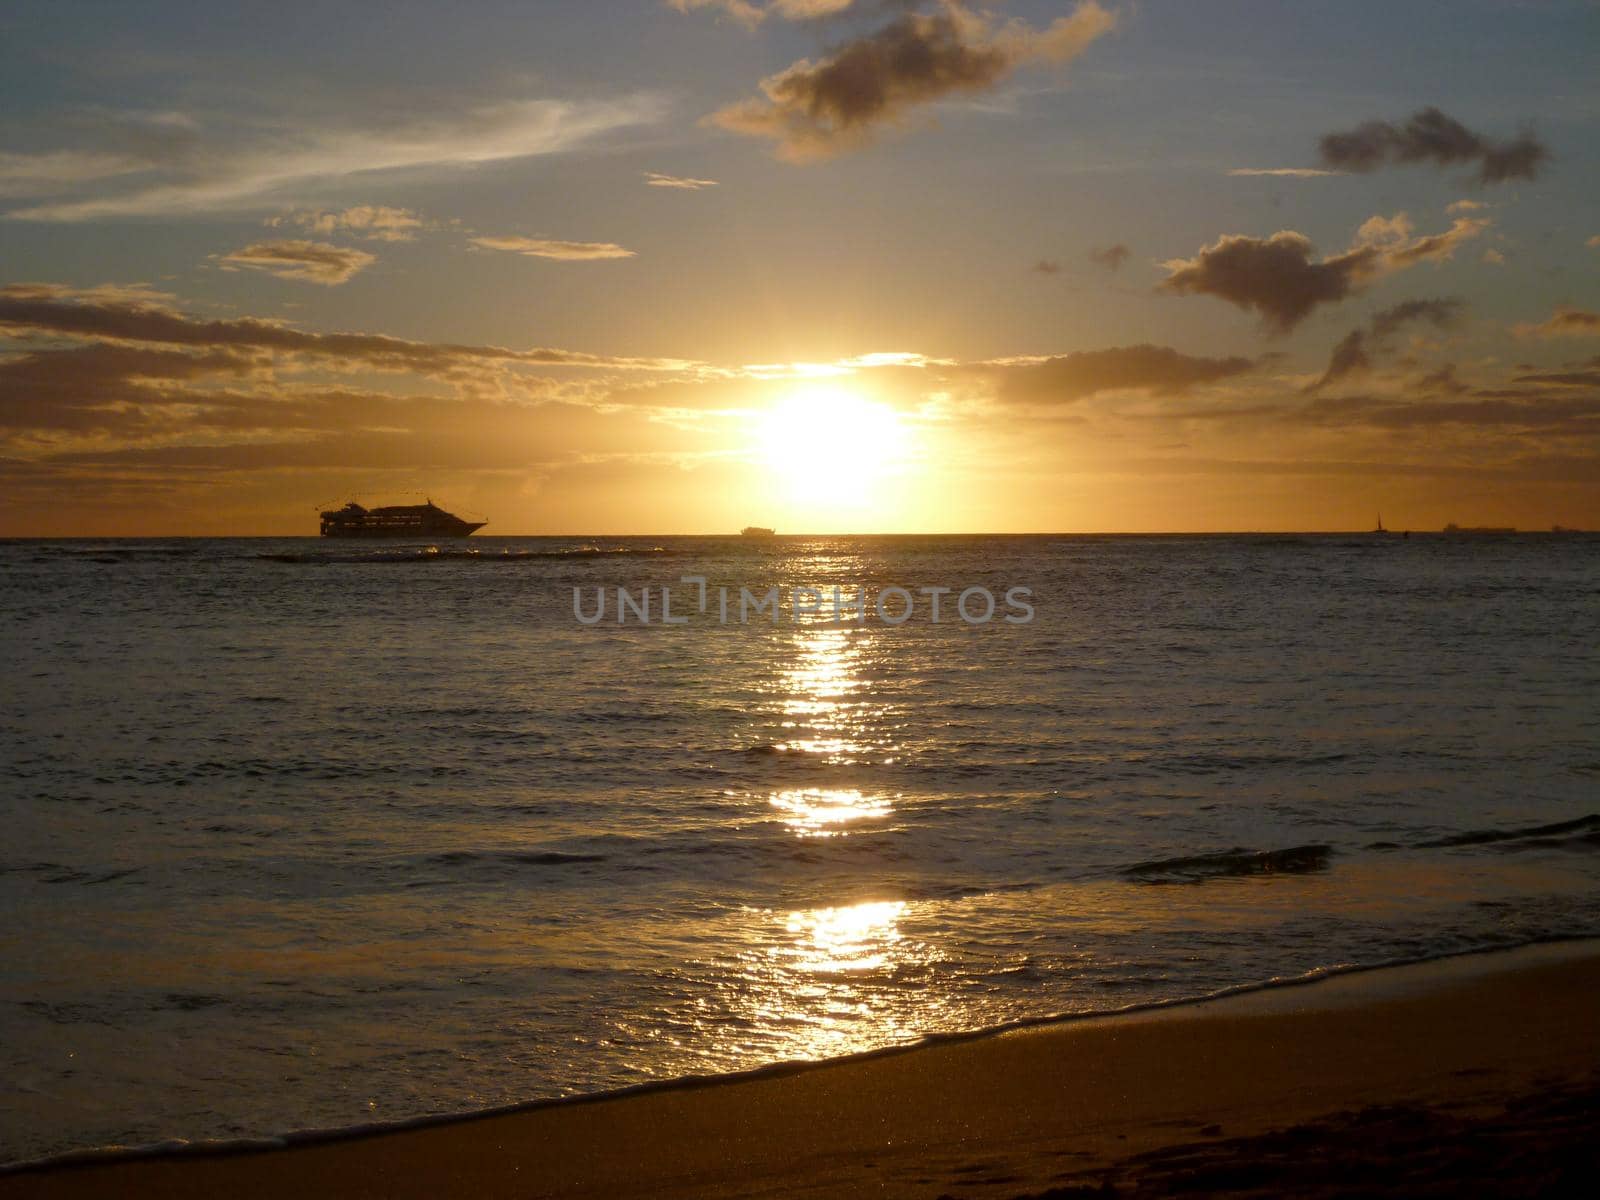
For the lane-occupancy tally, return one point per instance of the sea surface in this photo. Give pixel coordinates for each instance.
(300, 834)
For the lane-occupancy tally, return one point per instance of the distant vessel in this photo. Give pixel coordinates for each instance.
(757, 531)
(1454, 528)
(398, 521)
(1380, 528)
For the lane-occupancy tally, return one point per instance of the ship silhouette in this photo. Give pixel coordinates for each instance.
(397, 521)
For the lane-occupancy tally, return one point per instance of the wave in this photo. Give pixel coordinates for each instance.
(180, 1148)
(1228, 864)
(1584, 829)
(430, 553)
(543, 858)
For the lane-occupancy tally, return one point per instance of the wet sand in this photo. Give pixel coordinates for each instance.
(1479, 1075)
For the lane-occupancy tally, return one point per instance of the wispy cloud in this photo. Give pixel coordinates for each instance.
(116, 145)
(552, 248)
(1286, 172)
(138, 315)
(308, 262)
(374, 222)
(1158, 370)
(750, 14)
(1564, 322)
(657, 179)
(262, 172)
(1112, 257)
(815, 109)
(1358, 349)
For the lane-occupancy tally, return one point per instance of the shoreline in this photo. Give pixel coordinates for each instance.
(1130, 1096)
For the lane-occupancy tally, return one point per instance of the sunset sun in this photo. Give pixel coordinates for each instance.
(831, 446)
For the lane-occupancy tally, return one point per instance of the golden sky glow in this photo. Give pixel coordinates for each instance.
(1042, 265)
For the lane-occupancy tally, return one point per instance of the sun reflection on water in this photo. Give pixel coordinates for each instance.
(825, 812)
(823, 703)
(860, 937)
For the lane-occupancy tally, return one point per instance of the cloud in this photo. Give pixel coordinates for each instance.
(1461, 206)
(806, 10)
(742, 11)
(1047, 266)
(1112, 257)
(223, 177)
(751, 15)
(816, 109)
(1278, 279)
(1159, 370)
(1573, 415)
(1274, 277)
(548, 248)
(656, 179)
(116, 144)
(41, 174)
(113, 315)
(1356, 350)
(1564, 322)
(1494, 258)
(1286, 172)
(1443, 381)
(1439, 246)
(1430, 136)
(1594, 242)
(103, 386)
(374, 222)
(309, 262)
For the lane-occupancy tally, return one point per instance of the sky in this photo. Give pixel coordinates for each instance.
(680, 266)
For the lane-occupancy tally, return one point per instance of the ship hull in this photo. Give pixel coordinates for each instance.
(460, 530)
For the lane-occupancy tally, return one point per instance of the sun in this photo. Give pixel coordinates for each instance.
(830, 446)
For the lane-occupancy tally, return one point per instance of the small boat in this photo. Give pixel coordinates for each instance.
(1380, 528)
(757, 531)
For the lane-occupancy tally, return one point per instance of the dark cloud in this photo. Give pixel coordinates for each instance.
(1278, 279)
(124, 317)
(1441, 382)
(1430, 136)
(1159, 370)
(1356, 350)
(815, 109)
(1274, 277)
(1112, 257)
(1589, 378)
(1538, 414)
(105, 387)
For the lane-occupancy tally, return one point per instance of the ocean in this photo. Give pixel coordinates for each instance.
(314, 835)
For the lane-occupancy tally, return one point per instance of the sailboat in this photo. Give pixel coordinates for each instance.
(1380, 529)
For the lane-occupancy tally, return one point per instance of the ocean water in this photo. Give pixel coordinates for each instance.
(306, 835)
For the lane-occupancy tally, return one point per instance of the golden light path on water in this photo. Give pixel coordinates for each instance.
(833, 980)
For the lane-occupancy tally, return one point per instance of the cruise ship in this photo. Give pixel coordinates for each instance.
(398, 521)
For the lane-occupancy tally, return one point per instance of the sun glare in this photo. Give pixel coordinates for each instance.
(831, 446)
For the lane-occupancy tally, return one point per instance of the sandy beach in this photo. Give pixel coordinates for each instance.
(1480, 1071)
